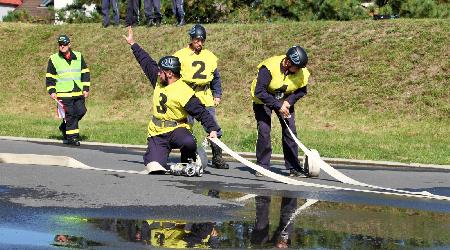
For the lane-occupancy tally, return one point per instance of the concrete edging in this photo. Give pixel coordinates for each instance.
(276, 158)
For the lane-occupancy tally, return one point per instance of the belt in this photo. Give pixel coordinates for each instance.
(167, 123)
(196, 87)
(279, 95)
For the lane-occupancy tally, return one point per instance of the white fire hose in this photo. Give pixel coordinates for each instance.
(291, 181)
(33, 159)
(315, 159)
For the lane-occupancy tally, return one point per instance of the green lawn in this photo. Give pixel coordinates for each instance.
(379, 90)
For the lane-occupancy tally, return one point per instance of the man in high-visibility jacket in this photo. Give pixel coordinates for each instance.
(68, 80)
(280, 83)
(199, 71)
(173, 101)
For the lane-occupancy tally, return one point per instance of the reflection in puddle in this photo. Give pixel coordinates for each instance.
(163, 233)
(62, 240)
(263, 222)
(10, 236)
(281, 238)
(269, 222)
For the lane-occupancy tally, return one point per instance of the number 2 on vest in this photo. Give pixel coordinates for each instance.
(198, 74)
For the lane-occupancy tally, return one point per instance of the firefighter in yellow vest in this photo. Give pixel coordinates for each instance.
(199, 70)
(180, 234)
(68, 80)
(280, 83)
(173, 101)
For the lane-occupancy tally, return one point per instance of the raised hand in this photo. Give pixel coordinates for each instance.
(129, 38)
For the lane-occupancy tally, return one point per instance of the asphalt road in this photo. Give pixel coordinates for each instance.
(60, 188)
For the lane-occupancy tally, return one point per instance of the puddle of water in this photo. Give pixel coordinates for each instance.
(3, 189)
(263, 222)
(19, 237)
(24, 237)
(270, 222)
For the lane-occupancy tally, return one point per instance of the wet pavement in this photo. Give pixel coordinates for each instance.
(103, 210)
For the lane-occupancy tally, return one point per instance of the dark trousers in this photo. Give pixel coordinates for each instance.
(152, 9)
(263, 116)
(260, 233)
(133, 7)
(212, 111)
(159, 147)
(106, 4)
(177, 8)
(75, 110)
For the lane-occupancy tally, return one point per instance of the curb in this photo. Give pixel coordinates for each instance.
(276, 158)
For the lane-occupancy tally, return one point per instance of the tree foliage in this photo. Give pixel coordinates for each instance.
(246, 11)
(416, 8)
(18, 16)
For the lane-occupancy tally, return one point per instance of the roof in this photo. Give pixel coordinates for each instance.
(11, 2)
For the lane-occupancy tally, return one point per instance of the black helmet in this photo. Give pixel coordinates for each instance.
(171, 63)
(298, 56)
(198, 31)
(63, 39)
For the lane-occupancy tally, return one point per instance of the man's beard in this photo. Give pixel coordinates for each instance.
(164, 82)
(198, 50)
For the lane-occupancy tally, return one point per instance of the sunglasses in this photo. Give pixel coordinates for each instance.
(63, 43)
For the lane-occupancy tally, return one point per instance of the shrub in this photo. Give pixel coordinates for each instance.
(76, 13)
(416, 8)
(339, 10)
(18, 16)
(424, 9)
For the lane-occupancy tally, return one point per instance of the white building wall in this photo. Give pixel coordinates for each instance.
(59, 4)
(4, 10)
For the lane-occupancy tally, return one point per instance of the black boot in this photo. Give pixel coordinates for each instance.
(73, 142)
(217, 160)
(62, 128)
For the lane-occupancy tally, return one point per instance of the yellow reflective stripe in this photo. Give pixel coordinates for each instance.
(87, 84)
(69, 75)
(62, 71)
(69, 79)
(69, 94)
(50, 87)
(84, 71)
(71, 132)
(51, 76)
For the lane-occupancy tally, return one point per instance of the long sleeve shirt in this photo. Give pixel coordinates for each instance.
(263, 80)
(216, 85)
(50, 82)
(193, 107)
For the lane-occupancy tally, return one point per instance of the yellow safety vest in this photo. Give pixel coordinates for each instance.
(67, 75)
(281, 84)
(198, 70)
(168, 105)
